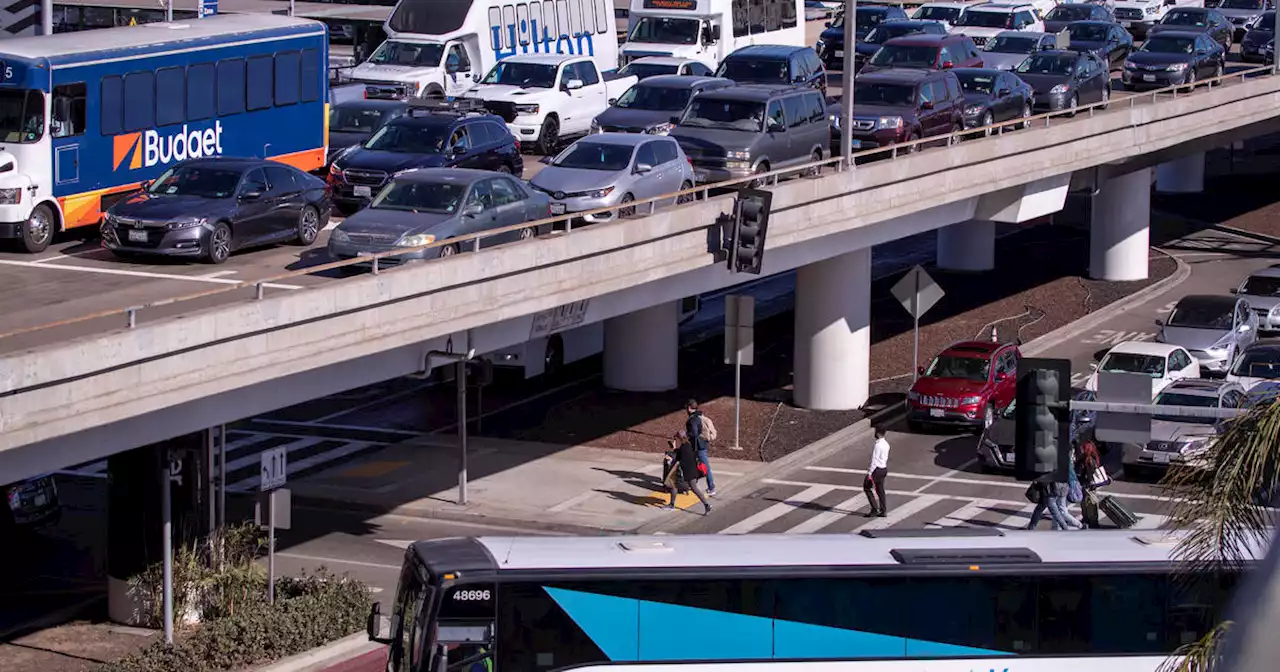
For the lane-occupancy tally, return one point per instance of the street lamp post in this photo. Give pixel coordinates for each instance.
(460, 361)
(846, 81)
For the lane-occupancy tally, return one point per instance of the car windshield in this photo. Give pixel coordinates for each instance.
(948, 14)
(1009, 44)
(1048, 64)
(1163, 44)
(1261, 363)
(975, 83)
(663, 98)
(1197, 315)
(905, 56)
(415, 196)
(951, 366)
(1197, 19)
(1261, 285)
(754, 70)
(1127, 362)
(642, 70)
(1241, 4)
(1266, 23)
(986, 19)
(1069, 13)
(883, 93)
(886, 31)
(738, 115)
(595, 156)
(526, 75)
(1180, 399)
(201, 181)
(663, 30)
(409, 139)
(356, 120)
(21, 116)
(867, 21)
(1088, 32)
(416, 54)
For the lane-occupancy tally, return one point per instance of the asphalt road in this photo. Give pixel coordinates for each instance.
(75, 278)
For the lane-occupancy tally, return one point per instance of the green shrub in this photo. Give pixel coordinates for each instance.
(310, 611)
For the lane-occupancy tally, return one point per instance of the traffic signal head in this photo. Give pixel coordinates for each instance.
(750, 224)
(1042, 440)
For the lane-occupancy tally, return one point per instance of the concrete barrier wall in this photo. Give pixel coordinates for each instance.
(61, 389)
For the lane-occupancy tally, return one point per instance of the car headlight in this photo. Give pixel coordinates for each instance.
(660, 129)
(11, 196)
(818, 47)
(973, 110)
(1222, 344)
(416, 240)
(1194, 446)
(186, 223)
(1061, 88)
(835, 120)
(527, 108)
(970, 401)
(1130, 65)
(913, 395)
(601, 193)
(595, 127)
(889, 122)
(1176, 67)
(1152, 9)
(338, 235)
(738, 155)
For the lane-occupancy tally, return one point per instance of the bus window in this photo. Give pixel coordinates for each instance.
(310, 90)
(170, 96)
(200, 87)
(259, 89)
(112, 106)
(68, 110)
(21, 115)
(287, 73)
(139, 101)
(230, 86)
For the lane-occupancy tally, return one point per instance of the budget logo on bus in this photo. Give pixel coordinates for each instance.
(144, 149)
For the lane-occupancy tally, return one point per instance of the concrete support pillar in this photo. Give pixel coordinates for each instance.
(967, 246)
(641, 349)
(1181, 176)
(833, 332)
(1120, 228)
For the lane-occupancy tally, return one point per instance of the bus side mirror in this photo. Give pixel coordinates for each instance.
(374, 625)
(715, 33)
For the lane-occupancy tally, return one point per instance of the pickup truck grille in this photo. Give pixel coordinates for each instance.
(502, 108)
(1128, 14)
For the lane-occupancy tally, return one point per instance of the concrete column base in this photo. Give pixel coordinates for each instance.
(1120, 228)
(967, 246)
(833, 332)
(642, 350)
(1181, 176)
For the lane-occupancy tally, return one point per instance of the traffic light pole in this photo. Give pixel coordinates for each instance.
(846, 82)
(1152, 409)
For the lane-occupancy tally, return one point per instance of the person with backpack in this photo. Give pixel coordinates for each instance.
(701, 432)
(687, 467)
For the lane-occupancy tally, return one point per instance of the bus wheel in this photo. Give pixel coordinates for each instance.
(553, 360)
(37, 231)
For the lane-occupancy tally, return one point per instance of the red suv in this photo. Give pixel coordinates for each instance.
(964, 385)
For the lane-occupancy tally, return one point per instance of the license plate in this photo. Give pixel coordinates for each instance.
(1008, 457)
(839, 53)
(137, 236)
(935, 412)
(362, 191)
(1126, 24)
(1161, 458)
(557, 208)
(855, 144)
(39, 500)
(1148, 78)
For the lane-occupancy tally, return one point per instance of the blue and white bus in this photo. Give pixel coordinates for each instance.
(87, 117)
(953, 600)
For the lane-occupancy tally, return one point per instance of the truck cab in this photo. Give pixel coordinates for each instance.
(420, 67)
(1137, 16)
(709, 30)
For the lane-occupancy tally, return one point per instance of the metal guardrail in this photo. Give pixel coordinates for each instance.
(129, 315)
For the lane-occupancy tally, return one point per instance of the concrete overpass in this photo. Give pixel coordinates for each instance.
(70, 394)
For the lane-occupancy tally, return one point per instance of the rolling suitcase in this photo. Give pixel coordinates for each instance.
(1118, 513)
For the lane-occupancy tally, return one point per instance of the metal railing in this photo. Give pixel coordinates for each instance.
(128, 316)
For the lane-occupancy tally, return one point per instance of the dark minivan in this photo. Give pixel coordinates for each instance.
(774, 64)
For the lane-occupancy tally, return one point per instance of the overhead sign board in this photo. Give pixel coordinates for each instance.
(560, 318)
(1123, 388)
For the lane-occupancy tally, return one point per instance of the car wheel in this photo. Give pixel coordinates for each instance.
(1191, 79)
(987, 121)
(448, 251)
(527, 234)
(1106, 98)
(1217, 71)
(553, 358)
(218, 245)
(686, 198)
(1026, 115)
(308, 226)
(815, 171)
(913, 149)
(625, 210)
(504, 169)
(549, 136)
(37, 231)
(759, 183)
(1073, 104)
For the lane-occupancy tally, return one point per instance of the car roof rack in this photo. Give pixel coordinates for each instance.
(459, 106)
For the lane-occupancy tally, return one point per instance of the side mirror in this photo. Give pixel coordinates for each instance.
(775, 127)
(1003, 92)
(926, 105)
(472, 210)
(573, 85)
(1001, 377)
(146, 184)
(476, 78)
(546, 160)
(612, 102)
(920, 370)
(643, 168)
(827, 24)
(373, 626)
(1201, 52)
(1159, 323)
(1234, 290)
(251, 195)
(1093, 365)
(715, 33)
(458, 151)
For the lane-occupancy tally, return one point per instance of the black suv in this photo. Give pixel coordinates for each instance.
(433, 134)
(774, 64)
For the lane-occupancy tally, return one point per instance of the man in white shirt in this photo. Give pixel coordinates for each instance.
(873, 484)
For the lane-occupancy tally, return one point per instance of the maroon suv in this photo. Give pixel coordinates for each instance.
(965, 385)
(927, 51)
(894, 106)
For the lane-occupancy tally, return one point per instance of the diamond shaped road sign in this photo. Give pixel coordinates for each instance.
(917, 292)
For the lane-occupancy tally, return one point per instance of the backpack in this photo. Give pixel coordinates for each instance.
(708, 429)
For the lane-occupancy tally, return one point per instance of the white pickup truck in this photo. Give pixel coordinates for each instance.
(1139, 15)
(547, 97)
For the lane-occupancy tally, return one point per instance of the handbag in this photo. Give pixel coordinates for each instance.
(1032, 494)
(1100, 477)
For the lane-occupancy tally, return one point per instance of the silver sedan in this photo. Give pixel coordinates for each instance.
(610, 170)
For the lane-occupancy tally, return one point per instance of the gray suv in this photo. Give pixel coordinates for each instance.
(746, 130)
(1262, 290)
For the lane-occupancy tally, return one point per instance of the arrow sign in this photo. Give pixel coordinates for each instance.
(274, 468)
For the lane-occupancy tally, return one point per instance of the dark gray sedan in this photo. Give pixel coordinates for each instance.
(420, 207)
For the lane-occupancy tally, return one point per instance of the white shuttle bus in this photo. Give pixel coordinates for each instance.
(440, 48)
(709, 30)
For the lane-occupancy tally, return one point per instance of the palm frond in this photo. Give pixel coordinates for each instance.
(1203, 655)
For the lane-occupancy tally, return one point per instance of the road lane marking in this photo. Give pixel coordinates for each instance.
(572, 501)
(846, 508)
(219, 274)
(778, 510)
(320, 425)
(67, 255)
(1113, 337)
(340, 561)
(898, 514)
(306, 463)
(1019, 520)
(962, 481)
(142, 274)
(966, 513)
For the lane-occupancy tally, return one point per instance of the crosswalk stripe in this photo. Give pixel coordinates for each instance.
(898, 514)
(1018, 520)
(98, 468)
(826, 518)
(778, 510)
(253, 458)
(965, 514)
(307, 463)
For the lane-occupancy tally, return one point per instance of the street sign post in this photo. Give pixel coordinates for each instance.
(739, 348)
(275, 466)
(1123, 388)
(274, 470)
(917, 292)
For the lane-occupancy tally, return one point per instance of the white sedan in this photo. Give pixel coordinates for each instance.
(1162, 362)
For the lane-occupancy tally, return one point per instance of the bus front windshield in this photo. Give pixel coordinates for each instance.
(415, 54)
(664, 30)
(21, 115)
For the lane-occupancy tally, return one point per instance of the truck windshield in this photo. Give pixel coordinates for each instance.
(21, 115)
(417, 54)
(409, 139)
(196, 181)
(409, 196)
(663, 30)
(526, 75)
(737, 115)
(1241, 4)
(663, 98)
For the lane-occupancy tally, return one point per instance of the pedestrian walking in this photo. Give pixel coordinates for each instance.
(686, 465)
(873, 484)
(701, 432)
(1051, 495)
(1087, 466)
